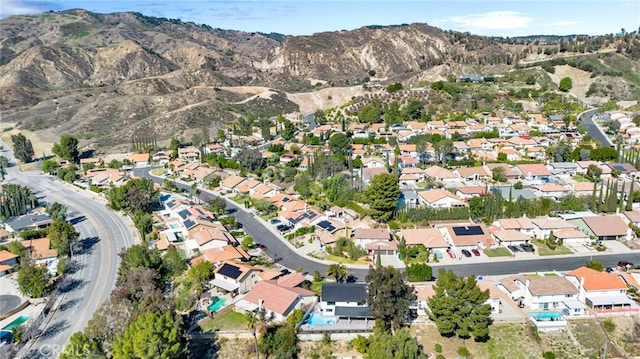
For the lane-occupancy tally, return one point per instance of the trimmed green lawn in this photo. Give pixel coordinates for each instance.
(344, 260)
(581, 178)
(497, 252)
(230, 320)
(316, 287)
(158, 171)
(543, 250)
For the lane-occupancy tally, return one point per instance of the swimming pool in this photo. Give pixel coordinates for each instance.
(319, 319)
(16, 322)
(216, 304)
(546, 315)
(173, 225)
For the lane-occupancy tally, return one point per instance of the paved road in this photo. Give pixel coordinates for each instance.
(310, 119)
(289, 258)
(103, 233)
(586, 119)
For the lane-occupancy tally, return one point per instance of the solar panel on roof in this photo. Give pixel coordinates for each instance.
(189, 223)
(311, 215)
(468, 231)
(230, 271)
(184, 214)
(286, 199)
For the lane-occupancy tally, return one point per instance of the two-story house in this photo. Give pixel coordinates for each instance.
(542, 292)
(600, 290)
(235, 277)
(345, 300)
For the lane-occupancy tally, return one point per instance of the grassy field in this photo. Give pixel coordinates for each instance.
(543, 250)
(230, 320)
(158, 171)
(497, 252)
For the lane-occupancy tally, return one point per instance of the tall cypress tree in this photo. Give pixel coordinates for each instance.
(629, 206)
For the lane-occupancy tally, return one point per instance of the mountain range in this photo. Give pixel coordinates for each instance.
(110, 77)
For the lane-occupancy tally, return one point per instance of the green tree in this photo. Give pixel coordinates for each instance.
(339, 143)
(144, 223)
(414, 110)
(337, 271)
(137, 256)
(67, 148)
(419, 272)
(388, 297)
(498, 174)
(443, 149)
(400, 345)
(4, 162)
(251, 159)
(279, 342)
(174, 262)
(382, 196)
(459, 307)
(565, 84)
(289, 130)
(200, 273)
(62, 236)
(303, 186)
(49, 166)
(56, 211)
(33, 280)
(22, 148)
(82, 347)
(137, 194)
(594, 172)
(150, 335)
(18, 249)
(247, 243)
(295, 317)
(595, 265)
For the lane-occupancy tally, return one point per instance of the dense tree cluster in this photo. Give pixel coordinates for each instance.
(16, 200)
(22, 148)
(137, 194)
(66, 148)
(382, 196)
(459, 307)
(389, 297)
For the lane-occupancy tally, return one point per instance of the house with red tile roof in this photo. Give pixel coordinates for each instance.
(609, 227)
(225, 253)
(363, 236)
(231, 182)
(468, 192)
(233, 276)
(510, 237)
(542, 292)
(535, 172)
(600, 290)
(523, 225)
(278, 301)
(468, 236)
(430, 238)
(7, 261)
(544, 226)
(440, 198)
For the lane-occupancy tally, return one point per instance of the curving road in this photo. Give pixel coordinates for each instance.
(586, 119)
(94, 265)
(289, 258)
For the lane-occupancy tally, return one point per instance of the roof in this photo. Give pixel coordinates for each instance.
(534, 170)
(570, 233)
(552, 223)
(228, 252)
(139, 157)
(542, 285)
(439, 172)
(516, 223)
(27, 220)
(232, 181)
(467, 235)
(605, 226)
(275, 298)
(633, 216)
(291, 280)
(233, 270)
(353, 312)
(7, 256)
(429, 237)
(344, 292)
(40, 248)
(596, 281)
(434, 195)
(371, 233)
(479, 190)
(511, 235)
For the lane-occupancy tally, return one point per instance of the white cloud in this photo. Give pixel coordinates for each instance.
(563, 23)
(18, 7)
(489, 23)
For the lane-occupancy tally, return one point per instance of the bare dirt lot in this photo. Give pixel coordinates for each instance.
(42, 141)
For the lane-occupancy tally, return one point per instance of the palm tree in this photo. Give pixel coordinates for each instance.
(252, 322)
(338, 271)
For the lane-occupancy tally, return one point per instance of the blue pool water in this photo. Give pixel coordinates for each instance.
(216, 304)
(319, 319)
(546, 315)
(16, 322)
(174, 225)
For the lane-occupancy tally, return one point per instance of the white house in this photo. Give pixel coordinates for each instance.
(600, 290)
(345, 300)
(543, 292)
(278, 301)
(440, 198)
(364, 236)
(545, 225)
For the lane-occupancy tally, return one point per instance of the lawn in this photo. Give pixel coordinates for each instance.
(497, 252)
(543, 250)
(581, 178)
(230, 320)
(158, 171)
(316, 287)
(344, 260)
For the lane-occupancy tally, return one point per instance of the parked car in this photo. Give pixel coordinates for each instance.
(283, 228)
(275, 221)
(438, 254)
(475, 252)
(451, 254)
(526, 247)
(262, 247)
(466, 253)
(609, 270)
(625, 264)
(513, 249)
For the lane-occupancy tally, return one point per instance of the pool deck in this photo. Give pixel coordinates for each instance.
(342, 325)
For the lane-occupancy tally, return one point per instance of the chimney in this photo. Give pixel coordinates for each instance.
(260, 302)
(582, 283)
(527, 283)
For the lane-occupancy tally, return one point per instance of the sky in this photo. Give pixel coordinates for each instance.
(305, 17)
